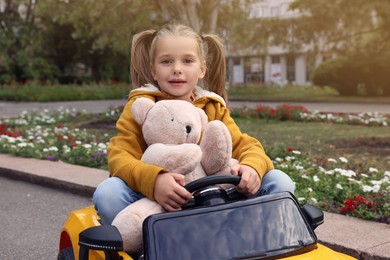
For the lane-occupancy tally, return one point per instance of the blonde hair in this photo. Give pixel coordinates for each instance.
(211, 50)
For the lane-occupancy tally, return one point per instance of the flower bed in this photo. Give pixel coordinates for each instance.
(331, 184)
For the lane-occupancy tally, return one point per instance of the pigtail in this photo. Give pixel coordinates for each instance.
(215, 77)
(140, 60)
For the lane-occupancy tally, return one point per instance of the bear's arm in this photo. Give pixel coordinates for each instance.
(182, 158)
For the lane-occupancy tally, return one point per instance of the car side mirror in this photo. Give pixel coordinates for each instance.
(106, 238)
(314, 215)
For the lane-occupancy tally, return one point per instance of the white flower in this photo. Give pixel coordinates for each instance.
(355, 181)
(332, 160)
(301, 199)
(348, 173)
(88, 146)
(376, 182)
(321, 169)
(102, 146)
(315, 178)
(11, 140)
(283, 165)
(310, 189)
(343, 159)
(330, 172)
(338, 186)
(371, 169)
(367, 188)
(289, 158)
(296, 152)
(53, 149)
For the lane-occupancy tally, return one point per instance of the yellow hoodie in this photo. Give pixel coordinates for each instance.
(126, 148)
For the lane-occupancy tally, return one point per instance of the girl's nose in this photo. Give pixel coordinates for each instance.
(177, 69)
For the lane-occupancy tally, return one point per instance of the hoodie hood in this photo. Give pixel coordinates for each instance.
(200, 94)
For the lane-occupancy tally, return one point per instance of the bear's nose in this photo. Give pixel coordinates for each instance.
(188, 129)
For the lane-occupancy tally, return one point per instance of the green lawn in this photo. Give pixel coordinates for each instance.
(363, 145)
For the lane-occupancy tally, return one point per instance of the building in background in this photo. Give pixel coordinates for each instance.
(276, 67)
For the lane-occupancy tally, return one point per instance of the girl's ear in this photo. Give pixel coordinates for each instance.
(203, 70)
(152, 71)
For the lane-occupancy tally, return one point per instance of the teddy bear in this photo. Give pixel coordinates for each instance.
(179, 139)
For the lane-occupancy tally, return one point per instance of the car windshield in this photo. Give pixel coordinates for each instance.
(252, 229)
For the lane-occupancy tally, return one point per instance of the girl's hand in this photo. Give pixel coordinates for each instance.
(250, 180)
(169, 191)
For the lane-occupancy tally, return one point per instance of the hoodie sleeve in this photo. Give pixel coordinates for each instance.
(124, 155)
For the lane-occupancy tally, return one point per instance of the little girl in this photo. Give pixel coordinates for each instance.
(170, 64)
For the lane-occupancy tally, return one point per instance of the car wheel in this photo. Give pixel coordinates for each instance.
(66, 254)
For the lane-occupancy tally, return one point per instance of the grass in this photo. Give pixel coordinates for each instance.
(318, 139)
(33, 91)
(297, 93)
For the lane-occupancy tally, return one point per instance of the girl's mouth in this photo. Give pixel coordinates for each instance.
(177, 81)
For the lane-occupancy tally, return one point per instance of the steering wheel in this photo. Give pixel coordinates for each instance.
(206, 193)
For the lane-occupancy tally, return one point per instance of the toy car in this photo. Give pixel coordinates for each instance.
(216, 224)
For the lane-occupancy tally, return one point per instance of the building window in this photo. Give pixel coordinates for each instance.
(274, 11)
(290, 68)
(275, 59)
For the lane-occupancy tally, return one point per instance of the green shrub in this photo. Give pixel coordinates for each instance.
(356, 74)
(338, 73)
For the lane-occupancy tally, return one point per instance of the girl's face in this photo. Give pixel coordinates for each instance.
(177, 66)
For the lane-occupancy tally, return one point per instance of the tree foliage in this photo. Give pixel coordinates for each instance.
(20, 42)
(344, 27)
(357, 38)
(67, 34)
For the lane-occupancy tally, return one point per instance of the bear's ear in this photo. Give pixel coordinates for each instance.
(203, 117)
(140, 109)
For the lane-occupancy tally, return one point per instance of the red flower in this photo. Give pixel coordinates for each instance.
(349, 202)
(347, 208)
(359, 199)
(370, 204)
(272, 112)
(290, 149)
(59, 126)
(3, 127)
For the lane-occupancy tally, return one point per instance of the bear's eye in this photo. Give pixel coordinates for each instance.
(172, 120)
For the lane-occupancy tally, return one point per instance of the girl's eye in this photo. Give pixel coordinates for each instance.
(166, 62)
(188, 60)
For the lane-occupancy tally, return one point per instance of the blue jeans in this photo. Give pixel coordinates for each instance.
(113, 194)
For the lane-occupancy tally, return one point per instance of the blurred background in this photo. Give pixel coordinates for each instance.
(341, 44)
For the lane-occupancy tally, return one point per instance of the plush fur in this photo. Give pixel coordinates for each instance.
(172, 130)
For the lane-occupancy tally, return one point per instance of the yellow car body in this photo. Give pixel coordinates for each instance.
(82, 219)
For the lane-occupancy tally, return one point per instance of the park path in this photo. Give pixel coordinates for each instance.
(11, 109)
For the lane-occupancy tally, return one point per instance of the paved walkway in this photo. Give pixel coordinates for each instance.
(15, 108)
(362, 239)
(356, 237)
